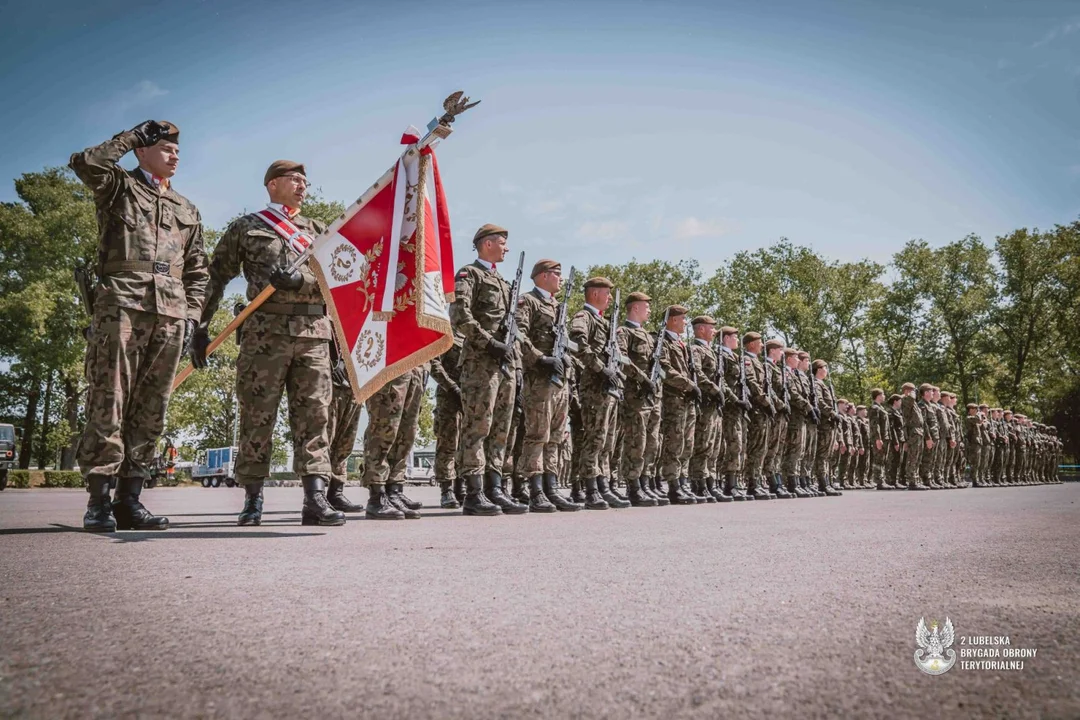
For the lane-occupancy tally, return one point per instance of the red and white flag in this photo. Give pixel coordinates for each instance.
(386, 271)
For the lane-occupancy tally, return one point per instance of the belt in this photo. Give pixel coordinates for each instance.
(292, 309)
(156, 267)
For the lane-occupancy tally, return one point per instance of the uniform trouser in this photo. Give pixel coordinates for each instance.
(674, 434)
(734, 433)
(794, 446)
(690, 441)
(565, 456)
(974, 459)
(986, 461)
(841, 465)
(515, 446)
(597, 413)
(895, 465)
(341, 429)
(652, 441)
(706, 441)
(806, 463)
(545, 419)
(824, 453)
(577, 440)
(447, 430)
(998, 465)
(393, 420)
(634, 420)
(757, 443)
(916, 445)
(777, 437)
(487, 413)
(269, 365)
(614, 436)
(926, 462)
(716, 462)
(131, 360)
(879, 459)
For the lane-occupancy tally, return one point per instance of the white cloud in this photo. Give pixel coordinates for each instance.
(692, 228)
(141, 92)
(604, 230)
(1060, 31)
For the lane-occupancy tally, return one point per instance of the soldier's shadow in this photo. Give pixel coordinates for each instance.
(139, 536)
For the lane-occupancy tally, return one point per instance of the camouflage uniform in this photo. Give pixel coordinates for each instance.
(734, 423)
(798, 425)
(285, 347)
(915, 432)
(589, 330)
(344, 419)
(676, 431)
(708, 423)
(778, 424)
(446, 373)
(638, 404)
(482, 299)
(974, 441)
(545, 402)
(393, 420)
(878, 424)
(896, 455)
(932, 432)
(153, 278)
(827, 435)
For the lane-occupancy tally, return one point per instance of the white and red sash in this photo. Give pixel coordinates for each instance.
(294, 237)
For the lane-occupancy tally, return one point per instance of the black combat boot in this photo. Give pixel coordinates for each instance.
(732, 488)
(754, 490)
(129, 512)
(610, 498)
(316, 510)
(379, 506)
(677, 494)
(551, 489)
(779, 490)
(253, 502)
(593, 499)
(701, 491)
(825, 487)
(917, 485)
(98, 517)
(405, 500)
(521, 491)
(684, 488)
(714, 491)
(661, 496)
(493, 489)
(459, 490)
(613, 488)
(335, 495)
(637, 495)
(809, 486)
(448, 500)
(397, 498)
(576, 494)
(476, 502)
(793, 487)
(644, 486)
(538, 500)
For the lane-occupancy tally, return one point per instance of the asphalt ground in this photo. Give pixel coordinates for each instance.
(801, 608)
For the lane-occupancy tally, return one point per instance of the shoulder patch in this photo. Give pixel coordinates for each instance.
(462, 275)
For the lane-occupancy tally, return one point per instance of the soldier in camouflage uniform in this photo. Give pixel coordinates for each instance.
(446, 373)
(878, 440)
(845, 443)
(761, 415)
(897, 439)
(545, 395)
(776, 378)
(989, 437)
(709, 425)
(679, 393)
(488, 362)
(915, 431)
(343, 421)
(152, 284)
(828, 431)
(798, 421)
(598, 386)
(640, 399)
(974, 442)
(285, 347)
(931, 438)
(1010, 450)
(734, 422)
(393, 421)
(813, 420)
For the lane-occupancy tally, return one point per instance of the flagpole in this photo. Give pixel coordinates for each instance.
(440, 128)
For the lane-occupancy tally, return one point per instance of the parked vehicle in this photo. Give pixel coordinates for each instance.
(420, 468)
(8, 455)
(214, 467)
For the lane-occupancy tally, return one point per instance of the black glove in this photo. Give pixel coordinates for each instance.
(771, 409)
(338, 374)
(610, 374)
(149, 132)
(745, 405)
(237, 309)
(199, 342)
(189, 332)
(696, 392)
(498, 350)
(284, 279)
(455, 390)
(551, 363)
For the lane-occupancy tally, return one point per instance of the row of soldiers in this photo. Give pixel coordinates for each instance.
(709, 417)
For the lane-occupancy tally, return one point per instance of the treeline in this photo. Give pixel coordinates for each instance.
(995, 322)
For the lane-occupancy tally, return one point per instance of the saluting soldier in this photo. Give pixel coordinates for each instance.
(679, 393)
(598, 385)
(446, 372)
(481, 302)
(152, 284)
(640, 398)
(545, 395)
(285, 345)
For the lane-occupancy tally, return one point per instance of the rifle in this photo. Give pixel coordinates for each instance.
(508, 327)
(815, 412)
(656, 373)
(833, 391)
(744, 391)
(614, 357)
(769, 393)
(692, 369)
(787, 392)
(84, 281)
(562, 332)
(721, 382)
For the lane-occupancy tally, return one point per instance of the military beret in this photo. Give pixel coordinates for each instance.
(842, 401)
(860, 407)
(925, 387)
(1007, 412)
(803, 355)
(676, 311)
(984, 406)
(599, 282)
(282, 167)
(637, 296)
(894, 398)
(703, 320)
(773, 343)
(907, 386)
(750, 337)
(972, 406)
(788, 352)
(819, 363)
(728, 330)
(488, 230)
(543, 266)
(875, 392)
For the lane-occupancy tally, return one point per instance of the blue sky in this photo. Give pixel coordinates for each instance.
(607, 130)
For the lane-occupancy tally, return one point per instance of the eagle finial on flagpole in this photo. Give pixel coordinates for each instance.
(454, 105)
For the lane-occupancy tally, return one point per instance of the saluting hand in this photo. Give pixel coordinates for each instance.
(149, 132)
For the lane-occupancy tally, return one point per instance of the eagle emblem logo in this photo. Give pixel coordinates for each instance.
(934, 655)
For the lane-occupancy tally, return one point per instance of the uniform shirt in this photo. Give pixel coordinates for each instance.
(673, 360)
(251, 246)
(636, 345)
(705, 360)
(733, 370)
(930, 418)
(896, 417)
(776, 376)
(481, 299)
(138, 222)
(878, 418)
(755, 380)
(798, 392)
(589, 329)
(537, 312)
(446, 369)
(826, 405)
(914, 421)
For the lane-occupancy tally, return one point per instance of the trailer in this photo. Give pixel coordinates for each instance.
(214, 467)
